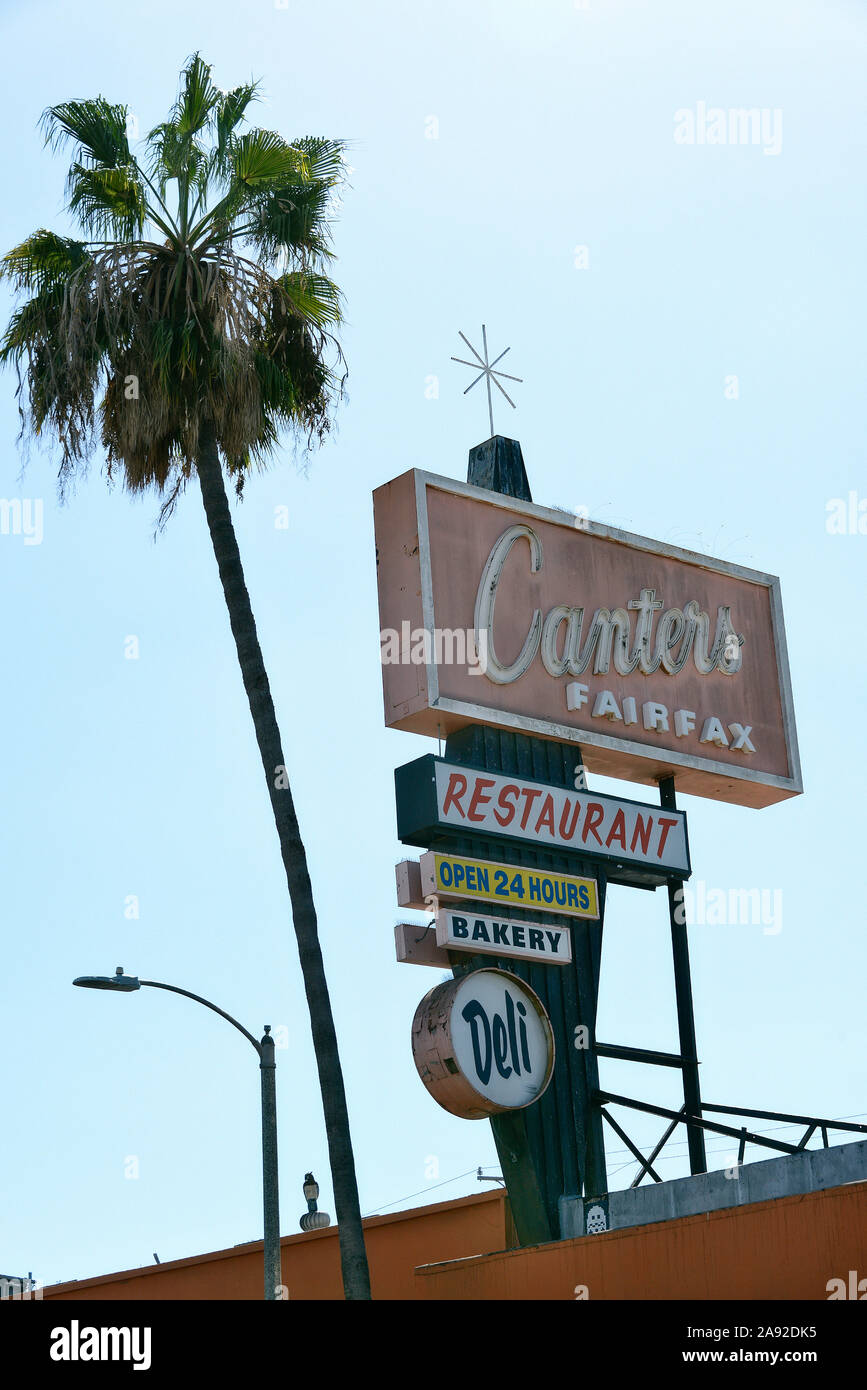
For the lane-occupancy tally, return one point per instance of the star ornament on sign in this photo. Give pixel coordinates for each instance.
(486, 369)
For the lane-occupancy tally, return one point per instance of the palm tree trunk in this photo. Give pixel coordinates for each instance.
(356, 1277)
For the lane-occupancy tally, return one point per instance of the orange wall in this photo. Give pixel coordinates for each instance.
(787, 1248)
(311, 1263)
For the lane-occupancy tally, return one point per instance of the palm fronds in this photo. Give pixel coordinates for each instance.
(225, 320)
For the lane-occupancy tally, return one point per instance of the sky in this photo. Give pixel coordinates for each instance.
(687, 320)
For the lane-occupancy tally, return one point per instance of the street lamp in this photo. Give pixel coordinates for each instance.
(125, 984)
(313, 1219)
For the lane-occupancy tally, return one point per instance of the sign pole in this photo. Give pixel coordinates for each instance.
(595, 1170)
(559, 1139)
(683, 996)
(557, 1147)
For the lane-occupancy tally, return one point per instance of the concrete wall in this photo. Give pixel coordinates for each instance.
(811, 1171)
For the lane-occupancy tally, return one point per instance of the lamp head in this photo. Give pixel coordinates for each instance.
(118, 981)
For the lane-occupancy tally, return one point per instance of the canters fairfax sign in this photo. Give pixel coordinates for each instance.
(643, 843)
(656, 660)
(483, 1044)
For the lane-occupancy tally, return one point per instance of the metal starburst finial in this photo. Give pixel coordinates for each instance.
(487, 371)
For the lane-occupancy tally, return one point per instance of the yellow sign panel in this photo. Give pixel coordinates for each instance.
(543, 890)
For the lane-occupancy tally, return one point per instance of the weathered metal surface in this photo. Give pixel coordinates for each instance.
(415, 945)
(407, 875)
(498, 464)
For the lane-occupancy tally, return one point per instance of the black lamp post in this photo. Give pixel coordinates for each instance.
(125, 984)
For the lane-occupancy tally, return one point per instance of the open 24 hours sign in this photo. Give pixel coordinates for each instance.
(541, 890)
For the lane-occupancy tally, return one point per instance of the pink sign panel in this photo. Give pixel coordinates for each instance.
(656, 661)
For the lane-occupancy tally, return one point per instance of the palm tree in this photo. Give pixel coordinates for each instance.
(189, 327)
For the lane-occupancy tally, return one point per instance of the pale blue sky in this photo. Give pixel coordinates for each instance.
(555, 130)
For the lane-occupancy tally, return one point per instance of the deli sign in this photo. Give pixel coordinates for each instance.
(656, 660)
(483, 1043)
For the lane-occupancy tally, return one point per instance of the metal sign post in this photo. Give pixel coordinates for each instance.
(557, 1145)
(683, 997)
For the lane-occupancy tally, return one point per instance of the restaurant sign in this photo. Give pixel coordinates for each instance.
(657, 661)
(642, 843)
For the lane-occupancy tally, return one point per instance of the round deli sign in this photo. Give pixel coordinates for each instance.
(483, 1044)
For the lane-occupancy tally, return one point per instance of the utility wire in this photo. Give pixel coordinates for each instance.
(611, 1153)
(445, 1183)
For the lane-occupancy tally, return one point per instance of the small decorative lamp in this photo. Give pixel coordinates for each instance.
(313, 1219)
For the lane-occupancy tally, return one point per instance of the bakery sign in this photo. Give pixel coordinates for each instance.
(655, 660)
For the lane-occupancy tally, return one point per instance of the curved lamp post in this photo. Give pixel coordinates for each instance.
(124, 984)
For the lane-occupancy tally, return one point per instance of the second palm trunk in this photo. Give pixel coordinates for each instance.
(356, 1277)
